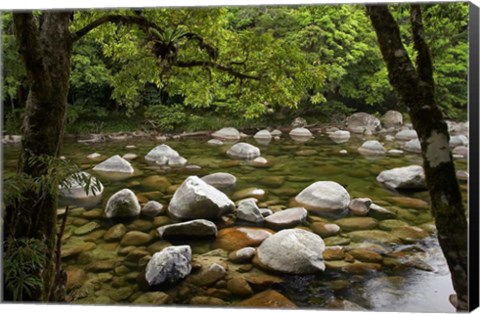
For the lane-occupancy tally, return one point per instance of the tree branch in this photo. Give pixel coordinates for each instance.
(119, 20)
(424, 61)
(211, 64)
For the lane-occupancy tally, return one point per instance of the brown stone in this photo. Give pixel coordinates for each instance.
(75, 278)
(325, 229)
(268, 298)
(410, 234)
(231, 239)
(239, 286)
(409, 202)
(201, 300)
(115, 233)
(364, 255)
(356, 223)
(135, 238)
(333, 253)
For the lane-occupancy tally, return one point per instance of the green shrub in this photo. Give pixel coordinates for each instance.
(166, 118)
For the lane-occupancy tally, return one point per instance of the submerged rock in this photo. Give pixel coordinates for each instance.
(292, 251)
(269, 299)
(115, 164)
(220, 180)
(372, 148)
(74, 190)
(243, 151)
(231, 239)
(124, 203)
(410, 177)
(196, 199)
(169, 265)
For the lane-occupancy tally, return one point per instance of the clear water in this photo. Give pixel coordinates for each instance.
(407, 289)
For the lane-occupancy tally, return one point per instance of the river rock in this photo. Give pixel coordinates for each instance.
(135, 238)
(410, 177)
(169, 265)
(248, 211)
(276, 132)
(239, 287)
(235, 238)
(268, 299)
(406, 135)
(371, 147)
(152, 298)
(220, 180)
(94, 156)
(395, 152)
(115, 232)
(243, 151)
(259, 194)
(392, 118)
(287, 218)
(272, 181)
(300, 132)
(323, 197)
(208, 276)
(87, 228)
(192, 228)
(339, 136)
(325, 229)
(413, 146)
(409, 234)
(361, 121)
(152, 209)
(115, 164)
(243, 255)
(227, 134)
(196, 199)
(292, 251)
(458, 140)
(360, 206)
(462, 175)
(365, 255)
(178, 161)
(356, 223)
(130, 156)
(215, 142)
(156, 183)
(124, 203)
(161, 153)
(381, 213)
(390, 224)
(73, 190)
(374, 236)
(263, 135)
(460, 150)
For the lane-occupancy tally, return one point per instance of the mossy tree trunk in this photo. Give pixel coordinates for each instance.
(415, 88)
(46, 47)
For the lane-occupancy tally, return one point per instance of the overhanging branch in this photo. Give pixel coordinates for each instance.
(213, 65)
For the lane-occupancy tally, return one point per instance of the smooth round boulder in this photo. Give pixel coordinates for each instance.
(392, 118)
(300, 132)
(73, 190)
(124, 203)
(292, 251)
(243, 151)
(323, 196)
(196, 199)
(339, 136)
(161, 153)
(360, 122)
(413, 146)
(263, 135)
(406, 135)
(407, 178)
(152, 209)
(227, 134)
(372, 148)
(215, 142)
(192, 228)
(115, 164)
(169, 265)
(220, 180)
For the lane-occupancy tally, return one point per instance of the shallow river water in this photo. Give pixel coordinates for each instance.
(103, 272)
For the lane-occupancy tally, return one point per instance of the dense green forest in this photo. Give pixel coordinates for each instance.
(248, 65)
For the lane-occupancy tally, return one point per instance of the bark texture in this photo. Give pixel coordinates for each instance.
(45, 46)
(415, 87)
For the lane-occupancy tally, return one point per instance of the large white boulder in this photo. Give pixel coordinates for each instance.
(115, 164)
(169, 265)
(392, 118)
(360, 122)
(372, 148)
(124, 203)
(243, 151)
(410, 178)
(406, 135)
(196, 199)
(73, 190)
(324, 197)
(161, 154)
(227, 134)
(292, 251)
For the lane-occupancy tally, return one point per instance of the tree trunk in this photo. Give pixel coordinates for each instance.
(45, 46)
(415, 88)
